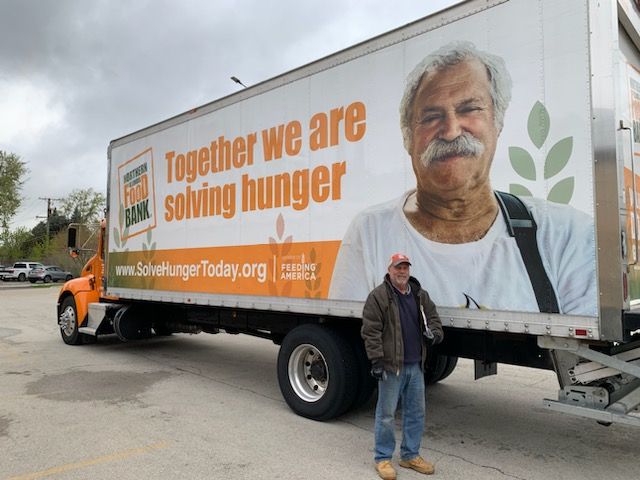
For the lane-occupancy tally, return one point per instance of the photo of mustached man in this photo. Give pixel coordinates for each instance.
(472, 247)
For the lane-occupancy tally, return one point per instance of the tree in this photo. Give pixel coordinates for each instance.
(12, 172)
(57, 223)
(17, 244)
(83, 206)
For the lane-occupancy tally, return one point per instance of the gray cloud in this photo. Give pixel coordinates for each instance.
(107, 68)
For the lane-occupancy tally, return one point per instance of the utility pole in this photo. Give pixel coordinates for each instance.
(50, 212)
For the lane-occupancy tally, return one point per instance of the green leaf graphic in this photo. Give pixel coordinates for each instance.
(522, 163)
(562, 191)
(558, 157)
(517, 189)
(538, 124)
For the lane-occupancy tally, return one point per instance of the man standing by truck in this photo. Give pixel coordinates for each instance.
(399, 323)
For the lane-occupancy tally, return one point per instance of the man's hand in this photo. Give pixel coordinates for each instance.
(428, 335)
(377, 370)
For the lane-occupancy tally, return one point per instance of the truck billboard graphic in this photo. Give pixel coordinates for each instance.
(631, 111)
(305, 190)
(136, 195)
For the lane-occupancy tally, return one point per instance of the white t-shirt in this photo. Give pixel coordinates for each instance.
(488, 273)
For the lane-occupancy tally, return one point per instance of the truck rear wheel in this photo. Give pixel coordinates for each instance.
(452, 362)
(366, 383)
(438, 368)
(317, 372)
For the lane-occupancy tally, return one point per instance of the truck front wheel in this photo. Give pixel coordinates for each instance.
(317, 372)
(68, 322)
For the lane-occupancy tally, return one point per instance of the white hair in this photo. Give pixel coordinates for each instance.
(449, 55)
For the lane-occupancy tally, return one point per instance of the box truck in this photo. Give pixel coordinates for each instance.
(273, 211)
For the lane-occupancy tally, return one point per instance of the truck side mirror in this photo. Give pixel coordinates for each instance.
(71, 237)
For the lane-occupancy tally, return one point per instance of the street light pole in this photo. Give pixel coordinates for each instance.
(237, 80)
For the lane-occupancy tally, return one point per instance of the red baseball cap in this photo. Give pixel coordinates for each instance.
(398, 258)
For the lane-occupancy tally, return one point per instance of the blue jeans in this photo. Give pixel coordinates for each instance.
(408, 388)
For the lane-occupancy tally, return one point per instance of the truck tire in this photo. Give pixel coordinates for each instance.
(22, 277)
(452, 362)
(366, 383)
(68, 322)
(438, 368)
(317, 372)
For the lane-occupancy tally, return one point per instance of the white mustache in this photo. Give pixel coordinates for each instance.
(465, 145)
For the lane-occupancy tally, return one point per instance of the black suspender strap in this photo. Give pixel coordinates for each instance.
(523, 228)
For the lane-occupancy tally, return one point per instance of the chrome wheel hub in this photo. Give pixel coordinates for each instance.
(308, 373)
(67, 321)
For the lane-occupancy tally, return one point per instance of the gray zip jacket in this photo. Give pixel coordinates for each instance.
(382, 330)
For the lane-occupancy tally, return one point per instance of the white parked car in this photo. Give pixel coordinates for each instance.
(20, 270)
(3, 271)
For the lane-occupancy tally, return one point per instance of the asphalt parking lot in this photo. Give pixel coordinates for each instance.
(209, 407)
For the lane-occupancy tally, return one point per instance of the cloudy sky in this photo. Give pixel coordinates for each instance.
(75, 74)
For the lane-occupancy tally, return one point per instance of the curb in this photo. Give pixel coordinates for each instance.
(22, 287)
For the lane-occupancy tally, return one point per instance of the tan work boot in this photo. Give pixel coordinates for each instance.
(419, 464)
(386, 470)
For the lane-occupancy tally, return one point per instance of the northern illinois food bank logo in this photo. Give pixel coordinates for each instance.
(137, 194)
